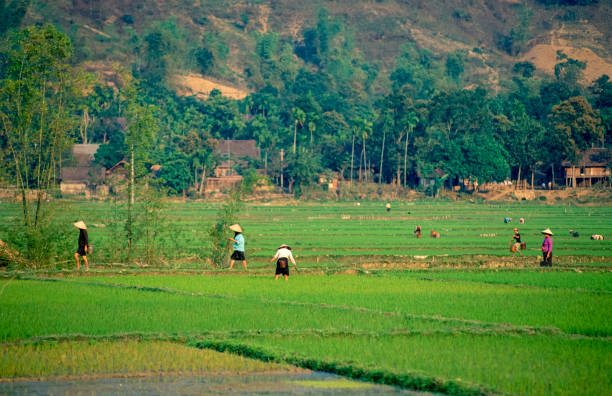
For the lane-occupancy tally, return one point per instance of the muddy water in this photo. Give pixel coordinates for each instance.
(250, 384)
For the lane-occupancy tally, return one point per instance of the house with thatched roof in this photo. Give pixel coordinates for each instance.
(591, 168)
(231, 153)
(81, 177)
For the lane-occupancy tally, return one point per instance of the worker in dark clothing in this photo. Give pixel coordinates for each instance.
(83, 248)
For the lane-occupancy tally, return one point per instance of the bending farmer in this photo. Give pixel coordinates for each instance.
(83, 245)
(283, 255)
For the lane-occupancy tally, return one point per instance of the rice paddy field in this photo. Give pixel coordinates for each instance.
(454, 315)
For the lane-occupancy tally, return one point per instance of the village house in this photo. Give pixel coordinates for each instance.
(591, 168)
(232, 153)
(82, 177)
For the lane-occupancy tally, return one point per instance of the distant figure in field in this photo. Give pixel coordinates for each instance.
(417, 231)
(388, 206)
(282, 257)
(238, 240)
(597, 237)
(521, 221)
(507, 220)
(83, 245)
(547, 248)
(575, 234)
(435, 234)
(516, 245)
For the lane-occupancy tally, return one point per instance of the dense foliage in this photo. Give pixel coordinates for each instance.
(422, 123)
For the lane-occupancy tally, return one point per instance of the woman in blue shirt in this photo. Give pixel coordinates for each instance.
(238, 240)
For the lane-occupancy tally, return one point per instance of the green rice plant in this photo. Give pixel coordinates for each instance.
(595, 282)
(347, 233)
(447, 336)
(517, 365)
(412, 380)
(33, 308)
(571, 311)
(91, 357)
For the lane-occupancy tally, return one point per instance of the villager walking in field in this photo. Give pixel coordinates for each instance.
(515, 244)
(282, 257)
(417, 231)
(547, 248)
(83, 248)
(238, 240)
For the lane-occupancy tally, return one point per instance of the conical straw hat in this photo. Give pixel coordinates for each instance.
(235, 228)
(547, 231)
(284, 246)
(80, 224)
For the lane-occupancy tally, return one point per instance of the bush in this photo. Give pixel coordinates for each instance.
(127, 19)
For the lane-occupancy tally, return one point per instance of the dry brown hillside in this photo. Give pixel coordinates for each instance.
(102, 30)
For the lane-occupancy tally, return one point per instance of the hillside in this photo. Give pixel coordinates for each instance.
(423, 94)
(493, 34)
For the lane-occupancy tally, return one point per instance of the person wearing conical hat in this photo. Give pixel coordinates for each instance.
(282, 257)
(238, 240)
(83, 245)
(547, 247)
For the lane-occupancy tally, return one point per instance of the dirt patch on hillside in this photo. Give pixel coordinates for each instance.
(195, 84)
(544, 54)
(544, 57)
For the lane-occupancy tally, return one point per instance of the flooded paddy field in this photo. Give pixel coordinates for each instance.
(212, 384)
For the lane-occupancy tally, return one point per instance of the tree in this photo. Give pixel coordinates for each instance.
(569, 71)
(38, 93)
(411, 122)
(302, 169)
(602, 91)
(300, 117)
(11, 14)
(575, 127)
(141, 128)
(455, 65)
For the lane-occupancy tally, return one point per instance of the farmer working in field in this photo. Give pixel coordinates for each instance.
(515, 244)
(83, 245)
(238, 240)
(282, 257)
(547, 247)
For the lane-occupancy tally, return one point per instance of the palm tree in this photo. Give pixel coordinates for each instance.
(300, 117)
(412, 121)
